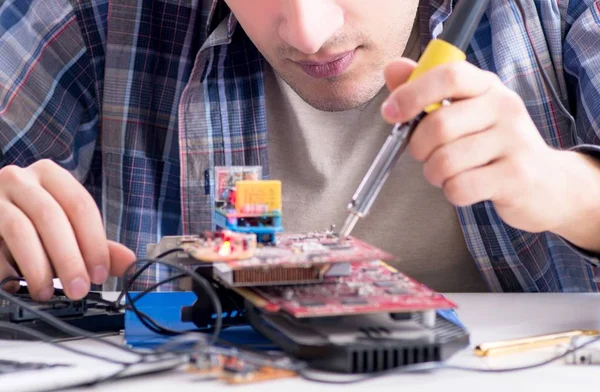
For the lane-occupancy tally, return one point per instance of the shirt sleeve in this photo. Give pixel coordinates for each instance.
(49, 106)
(582, 70)
(582, 67)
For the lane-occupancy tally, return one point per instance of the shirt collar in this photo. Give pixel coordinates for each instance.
(218, 9)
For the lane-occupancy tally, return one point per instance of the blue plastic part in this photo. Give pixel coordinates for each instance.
(451, 316)
(264, 234)
(165, 309)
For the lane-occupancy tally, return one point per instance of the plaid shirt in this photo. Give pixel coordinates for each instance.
(140, 99)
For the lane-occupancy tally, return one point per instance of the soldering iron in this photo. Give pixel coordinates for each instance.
(449, 47)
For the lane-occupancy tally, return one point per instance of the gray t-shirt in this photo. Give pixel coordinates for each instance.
(321, 157)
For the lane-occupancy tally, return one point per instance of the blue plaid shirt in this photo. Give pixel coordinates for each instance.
(140, 99)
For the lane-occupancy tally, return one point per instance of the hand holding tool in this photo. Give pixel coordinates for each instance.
(449, 47)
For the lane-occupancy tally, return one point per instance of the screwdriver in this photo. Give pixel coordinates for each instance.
(449, 47)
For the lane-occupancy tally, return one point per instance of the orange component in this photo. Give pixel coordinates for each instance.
(258, 196)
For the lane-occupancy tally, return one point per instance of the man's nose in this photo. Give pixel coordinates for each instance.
(308, 24)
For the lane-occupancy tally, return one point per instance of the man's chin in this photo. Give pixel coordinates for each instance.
(337, 102)
(335, 95)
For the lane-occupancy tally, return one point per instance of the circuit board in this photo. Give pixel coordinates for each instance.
(310, 249)
(370, 287)
(239, 261)
(295, 259)
(236, 371)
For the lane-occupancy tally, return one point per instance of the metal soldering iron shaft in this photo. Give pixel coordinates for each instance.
(371, 185)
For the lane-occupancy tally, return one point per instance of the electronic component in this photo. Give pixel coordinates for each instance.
(232, 370)
(201, 311)
(362, 343)
(236, 371)
(294, 258)
(59, 306)
(220, 246)
(310, 249)
(245, 203)
(371, 287)
(260, 276)
(92, 314)
(227, 176)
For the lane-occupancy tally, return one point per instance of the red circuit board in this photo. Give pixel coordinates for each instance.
(310, 249)
(370, 287)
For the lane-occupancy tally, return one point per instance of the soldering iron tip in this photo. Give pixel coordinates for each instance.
(349, 225)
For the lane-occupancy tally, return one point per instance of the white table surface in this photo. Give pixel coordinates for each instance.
(489, 317)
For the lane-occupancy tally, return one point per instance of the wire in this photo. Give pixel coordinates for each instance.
(63, 326)
(139, 272)
(9, 279)
(5, 326)
(145, 319)
(156, 285)
(527, 367)
(201, 281)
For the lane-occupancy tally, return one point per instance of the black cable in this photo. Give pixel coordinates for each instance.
(139, 272)
(155, 286)
(9, 279)
(217, 308)
(146, 320)
(109, 304)
(113, 376)
(63, 326)
(5, 326)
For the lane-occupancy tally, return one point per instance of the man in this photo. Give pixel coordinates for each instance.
(140, 100)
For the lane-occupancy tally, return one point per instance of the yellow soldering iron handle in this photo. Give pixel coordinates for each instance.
(452, 44)
(438, 52)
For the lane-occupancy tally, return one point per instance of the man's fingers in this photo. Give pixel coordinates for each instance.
(56, 233)
(83, 215)
(457, 80)
(451, 123)
(477, 185)
(21, 239)
(121, 257)
(397, 72)
(462, 155)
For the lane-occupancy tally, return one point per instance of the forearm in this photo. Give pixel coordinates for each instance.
(580, 202)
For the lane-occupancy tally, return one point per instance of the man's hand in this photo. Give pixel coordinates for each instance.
(50, 226)
(484, 146)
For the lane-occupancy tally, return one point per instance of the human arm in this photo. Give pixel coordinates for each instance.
(486, 147)
(49, 223)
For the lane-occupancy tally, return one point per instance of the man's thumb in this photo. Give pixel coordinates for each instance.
(121, 257)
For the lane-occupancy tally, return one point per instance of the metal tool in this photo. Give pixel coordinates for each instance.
(529, 343)
(449, 47)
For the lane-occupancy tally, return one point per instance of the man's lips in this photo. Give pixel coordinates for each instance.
(327, 68)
